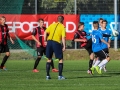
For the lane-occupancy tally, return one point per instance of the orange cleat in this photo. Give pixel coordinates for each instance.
(35, 70)
(54, 70)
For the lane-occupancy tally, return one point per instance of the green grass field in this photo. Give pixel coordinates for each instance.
(19, 76)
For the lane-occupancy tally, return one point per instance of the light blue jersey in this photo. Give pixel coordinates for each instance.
(107, 32)
(96, 40)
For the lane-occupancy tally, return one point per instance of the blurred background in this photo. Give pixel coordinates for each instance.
(88, 10)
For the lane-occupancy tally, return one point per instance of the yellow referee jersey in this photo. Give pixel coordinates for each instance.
(56, 31)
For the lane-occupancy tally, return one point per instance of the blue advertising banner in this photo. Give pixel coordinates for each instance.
(89, 18)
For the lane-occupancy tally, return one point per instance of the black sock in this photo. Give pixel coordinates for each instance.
(60, 66)
(37, 62)
(48, 68)
(4, 60)
(90, 63)
(52, 64)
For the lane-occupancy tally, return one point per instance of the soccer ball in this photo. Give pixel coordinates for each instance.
(115, 33)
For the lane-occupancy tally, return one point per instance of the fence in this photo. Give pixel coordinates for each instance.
(82, 7)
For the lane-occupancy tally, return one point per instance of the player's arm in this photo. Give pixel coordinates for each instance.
(101, 38)
(45, 38)
(76, 38)
(9, 37)
(63, 38)
(46, 34)
(34, 38)
(109, 41)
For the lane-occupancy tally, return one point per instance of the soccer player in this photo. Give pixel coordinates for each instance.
(97, 38)
(38, 36)
(80, 36)
(100, 22)
(104, 30)
(4, 35)
(57, 34)
(105, 35)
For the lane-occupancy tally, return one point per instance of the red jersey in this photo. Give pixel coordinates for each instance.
(39, 35)
(3, 34)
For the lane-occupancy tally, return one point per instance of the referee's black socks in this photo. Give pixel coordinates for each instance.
(52, 64)
(4, 60)
(60, 66)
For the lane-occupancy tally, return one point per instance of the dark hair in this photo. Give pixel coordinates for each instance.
(60, 18)
(2, 16)
(95, 22)
(40, 20)
(104, 21)
(80, 24)
(100, 19)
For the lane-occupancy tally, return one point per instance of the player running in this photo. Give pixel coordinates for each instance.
(80, 36)
(97, 39)
(104, 30)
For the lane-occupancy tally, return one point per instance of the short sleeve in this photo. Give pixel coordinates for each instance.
(49, 28)
(76, 36)
(34, 32)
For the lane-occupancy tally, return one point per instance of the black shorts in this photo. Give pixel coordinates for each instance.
(101, 54)
(4, 48)
(41, 51)
(89, 50)
(106, 50)
(89, 43)
(88, 46)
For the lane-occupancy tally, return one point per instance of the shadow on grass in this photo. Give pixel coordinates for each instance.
(93, 76)
(113, 73)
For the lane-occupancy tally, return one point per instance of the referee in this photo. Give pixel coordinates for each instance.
(56, 33)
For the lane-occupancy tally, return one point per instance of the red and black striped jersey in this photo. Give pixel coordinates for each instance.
(80, 35)
(39, 35)
(4, 34)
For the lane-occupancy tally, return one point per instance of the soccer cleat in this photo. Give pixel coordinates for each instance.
(35, 70)
(98, 70)
(54, 70)
(48, 77)
(89, 72)
(61, 78)
(4, 68)
(92, 70)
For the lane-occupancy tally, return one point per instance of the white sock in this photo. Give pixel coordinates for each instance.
(103, 63)
(102, 67)
(96, 63)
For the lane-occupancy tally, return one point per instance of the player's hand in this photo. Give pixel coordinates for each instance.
(108, 45)
(12, 42)
(63, 49)
(39, 43)
(84, 40)
(45, 43)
